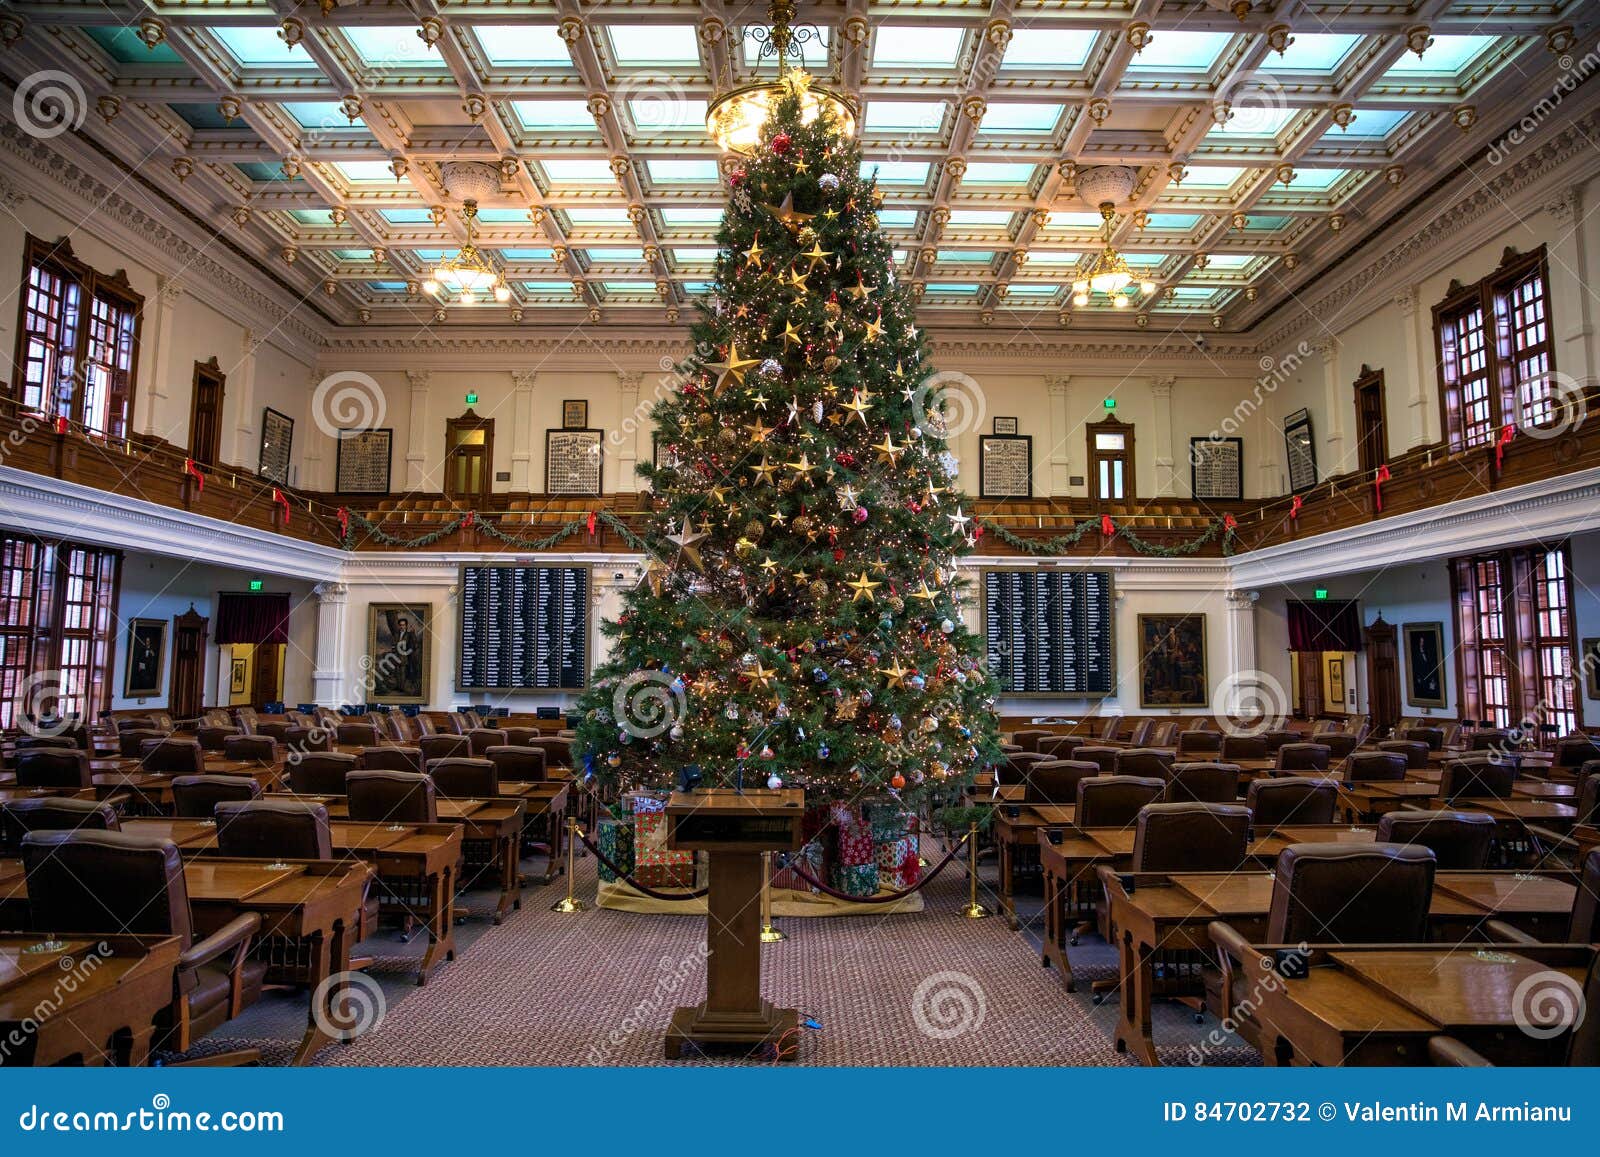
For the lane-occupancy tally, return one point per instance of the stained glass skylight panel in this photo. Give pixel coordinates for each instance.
(966, 256)
(979, 218)
(900, 46)
(1053, 257)
(1073, 221)
(392, 46)
(579, 215)
(647, 45)
(1317, 178)
(524, 46)
(1054, 48)
(1182, 221)
(260, 170)
(1171, 50)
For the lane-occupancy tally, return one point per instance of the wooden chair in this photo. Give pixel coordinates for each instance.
(1461, 779)
(1303, 757)
(172, 756)
(1055, 781)
(515, 764)
(1107, 757)
(1375, 766)
(1190, 837)
(262, 749)
(1146, 761)
(357, 735)
(1206, 783)
(395, 797)
(465, 778)
(1028, 738)
(48, 813)
(439, 746)
(481, 739)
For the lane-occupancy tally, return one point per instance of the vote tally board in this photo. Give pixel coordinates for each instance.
(524, 628)
(1049, 632)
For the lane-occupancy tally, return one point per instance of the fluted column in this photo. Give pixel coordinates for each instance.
(169, 290)
(246, 450)
(522, 382)
(1330, 455)
(628, 427)
(1161, 399)
(417, 431)
(1418, 372)
(328, 676)
(1060, 457)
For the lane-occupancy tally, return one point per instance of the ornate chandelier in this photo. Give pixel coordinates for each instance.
(734, 120)
(1110, 275)
(467, 275)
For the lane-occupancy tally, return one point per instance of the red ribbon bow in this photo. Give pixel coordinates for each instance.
(278, 497)
(344, 523)
(1229, 522)
(1377, 486)
(1107, 527)
(591, 522)
(1507, 432)
(1294, 508)
(196, 473)
(61, 425)
(469, 518)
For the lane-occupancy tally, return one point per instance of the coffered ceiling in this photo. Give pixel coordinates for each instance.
(1264, 138)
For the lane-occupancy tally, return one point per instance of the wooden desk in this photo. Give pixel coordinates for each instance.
(8, 794)
(1018, 825)
(495, 826)
(1365, 802)
(545, 800)
(1170, 912)
(106, 1015)
(1379, 1004)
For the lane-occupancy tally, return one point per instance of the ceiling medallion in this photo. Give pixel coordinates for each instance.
(736, 118)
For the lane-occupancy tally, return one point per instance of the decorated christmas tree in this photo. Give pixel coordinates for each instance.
(799, 618)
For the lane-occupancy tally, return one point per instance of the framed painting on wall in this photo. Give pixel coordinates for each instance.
(1005, 466)
(1424, 643)
(1591, 668)
(145, 675)
(398, 652)
(238, 669)
(572, 462)
(1216, 467)
(1336, 682)
(1302, 451)
(1172, 661)
(277, 439)
(363, 461)
(574, 414)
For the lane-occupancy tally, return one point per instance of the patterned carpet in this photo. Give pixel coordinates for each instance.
(597, 988)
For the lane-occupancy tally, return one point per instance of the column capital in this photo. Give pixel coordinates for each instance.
(419, 379)
(169, 289)
(1056, 384)
(1329, 349)
(628, 380)
(330, 593)
(1162, 387)
(1562, 205)
(1242, 600)
(1405, 300)
(524, 379)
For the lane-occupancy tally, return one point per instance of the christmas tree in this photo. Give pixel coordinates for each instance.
(799, 621)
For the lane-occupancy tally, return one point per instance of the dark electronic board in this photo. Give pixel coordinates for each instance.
(524, 628)
(1049, 632)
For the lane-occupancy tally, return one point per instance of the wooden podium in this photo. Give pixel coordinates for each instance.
(734, 828)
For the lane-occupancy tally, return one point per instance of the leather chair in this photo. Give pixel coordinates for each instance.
(320, 773)
(131, 741)
(520, 736)
(48, 813)
(400, 728)
(1338, 744)
(1141, 734)
(1485, 780)
(135, 723)
(390, 759)
(357, 735)
(274, 829)
(1060, 746)
(172, 756)
(94, 882)
(247, 748)
(1190, 837)
(1576, 750)
(308, 739)
(515, 764)
(1489, 739)
(1011, 749)
(1202, 743)
(1276, 739)
(53, 767)
(557, 751)
(391, 797)
(196, 796)
(1111, 729)
(248, 719)
(1303, 757)
(442, 746)
(1113, 801)
(162, 721)
(1460, 840)
(1375, 766)
(481, 739)
(1028, 738)
(1235, 747)
(1351, 894)
(1293, 799)
(1432, 736)
(1055, 781)
(215, 738)
(1014, 770)
(465, 778)
(1415, 751)
(1588, 799)
(1146, 761)
(1107, 757)
(53, 742)
(1202, 783)
(278, 729)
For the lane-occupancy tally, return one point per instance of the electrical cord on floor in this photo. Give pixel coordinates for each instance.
(807, 1021)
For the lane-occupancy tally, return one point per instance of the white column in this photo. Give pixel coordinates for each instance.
(168, 292)
(1060, 457)
(327, 678)
(1244, 689)
(417, 431)
(1417, 370)
(522, 429)
(1161, 399)
(1571, 319)
(629, 423)
(1331, 454)
(242, 384)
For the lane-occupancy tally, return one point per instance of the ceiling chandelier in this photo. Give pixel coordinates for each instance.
(1109, 274)
(468, 278)
(736, 118)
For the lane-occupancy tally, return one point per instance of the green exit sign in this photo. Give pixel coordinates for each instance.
(1110, 403)
(472, 399)
(1320, 592)
(255, 584)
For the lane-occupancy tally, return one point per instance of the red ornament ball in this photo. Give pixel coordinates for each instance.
(736, 178)
(781, 144)
(897, 781)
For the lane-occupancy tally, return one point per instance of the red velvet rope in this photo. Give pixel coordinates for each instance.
(631, 882)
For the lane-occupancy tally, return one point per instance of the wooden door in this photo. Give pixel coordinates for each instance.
(268, 661)
(1372, 432)
(188, 664)
(1310, 664)
(468, 459)
(1111, 460)
(205, 412)
(1383, 676)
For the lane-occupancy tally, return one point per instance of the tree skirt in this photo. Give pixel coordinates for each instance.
(621, 897)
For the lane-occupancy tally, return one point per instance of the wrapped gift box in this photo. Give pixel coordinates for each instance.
(855, 845)
(856, 879)
(615, 841)
(654, 865)
(898, 865)
(887, 819)
(644, 802)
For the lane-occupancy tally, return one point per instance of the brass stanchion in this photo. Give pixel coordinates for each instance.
(973, 910)
(769, 934)
(570, 903)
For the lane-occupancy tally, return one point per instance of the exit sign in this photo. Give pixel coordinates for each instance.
(472, 399)
(255, 584)
(1110, 403)
(1320, 592)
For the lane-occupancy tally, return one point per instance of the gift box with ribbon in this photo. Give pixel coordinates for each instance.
(858, 880)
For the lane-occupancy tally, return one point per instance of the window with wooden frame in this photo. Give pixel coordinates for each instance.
(56, 635)
(1513, 617)
(1111, 459)
(77, 352)
(1496, 357)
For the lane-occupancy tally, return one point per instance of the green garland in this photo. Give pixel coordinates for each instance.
(1063, 543)
(360, 524)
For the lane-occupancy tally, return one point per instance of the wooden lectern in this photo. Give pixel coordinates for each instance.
(734, 828)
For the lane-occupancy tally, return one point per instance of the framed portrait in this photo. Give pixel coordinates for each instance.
(1172, 661)
(237, 671)
(145, 676)
(1005, 425)
(1336, 681)
(1005, 466)
(1216, 467)
(363, 462)
(574, 414)
(399, 652)
(1302, 451)
(572, 462)
(277, 438)
(1590, 660)
(1424, 643)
